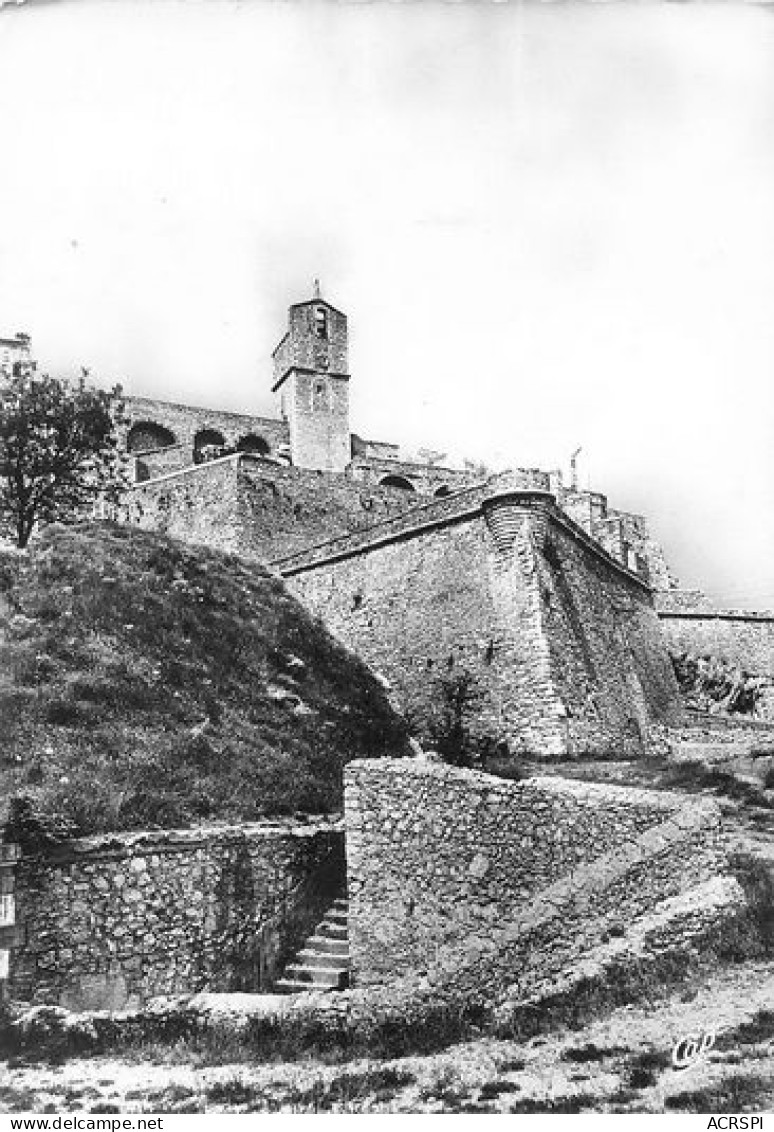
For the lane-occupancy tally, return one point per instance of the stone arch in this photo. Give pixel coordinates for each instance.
(442, 491)
(148, 436)
(251, 442)
(397, 481)
(205, 441)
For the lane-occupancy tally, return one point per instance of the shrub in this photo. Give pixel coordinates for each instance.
(449, 732)
(35, 831)
(590, 1052)
(51, 1031)
(231, 1092)
(759, 1029)
(644, 1068)
(65, 713)
(349, 1088)
(492, 1089)
(571, 1103)
(755, 877)
(702, 777)
(709, 681)
(731, 1094)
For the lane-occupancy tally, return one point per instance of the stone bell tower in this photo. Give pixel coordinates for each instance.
(310, 374)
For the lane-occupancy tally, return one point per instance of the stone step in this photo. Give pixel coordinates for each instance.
(322, 964)
(331, 931)
(311, 958)
(325, 945)
(331, 977)
(292, 986)
(336, 916)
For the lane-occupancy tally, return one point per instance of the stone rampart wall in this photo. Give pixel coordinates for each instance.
(494, 586)
(611, 669)
(418, 516)
(284, 510)
(151, 465)
(557, 643)
(255, 507)
(493, 879)
(198, 504)
(111, 921)
(426, 479)
(184, 421)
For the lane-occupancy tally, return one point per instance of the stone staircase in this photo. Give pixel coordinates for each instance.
(322, 964)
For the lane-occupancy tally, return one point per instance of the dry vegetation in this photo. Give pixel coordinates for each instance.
(617, 1063)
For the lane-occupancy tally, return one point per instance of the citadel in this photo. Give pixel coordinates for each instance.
(557, 607)
(556, 611)
(550, 615)
(311, 433)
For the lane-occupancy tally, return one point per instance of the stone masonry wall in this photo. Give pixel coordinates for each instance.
(740, 638)
(111, 921)
(285, 510)
(558, 644)
(151, 465)
(256, 508)
(317, 407)
(184, 421)
(458, 869)
(199, 504)
(426, 479)
(611, 669)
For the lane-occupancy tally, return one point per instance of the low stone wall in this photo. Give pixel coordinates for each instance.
(108, 922)
(496, 881)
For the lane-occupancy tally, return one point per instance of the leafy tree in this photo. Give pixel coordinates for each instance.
(58, 450)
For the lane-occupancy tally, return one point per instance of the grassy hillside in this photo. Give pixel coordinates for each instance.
(146, 683)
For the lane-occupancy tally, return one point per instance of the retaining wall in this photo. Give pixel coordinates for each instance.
(108, 922)
(485, 882)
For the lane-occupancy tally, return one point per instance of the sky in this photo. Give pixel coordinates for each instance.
(551, 225)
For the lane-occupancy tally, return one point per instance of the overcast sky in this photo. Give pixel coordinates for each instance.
(551, 225)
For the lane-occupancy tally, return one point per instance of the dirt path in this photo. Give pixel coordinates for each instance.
(619, 1063)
